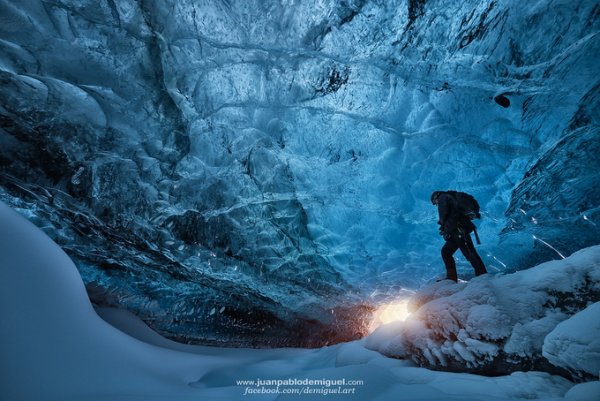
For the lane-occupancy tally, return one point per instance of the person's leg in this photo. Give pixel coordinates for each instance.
(447, 251)
(468, 249)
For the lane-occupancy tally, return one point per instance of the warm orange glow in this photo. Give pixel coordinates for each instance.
(387, 313)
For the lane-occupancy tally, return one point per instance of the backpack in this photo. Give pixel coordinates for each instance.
(467, 204)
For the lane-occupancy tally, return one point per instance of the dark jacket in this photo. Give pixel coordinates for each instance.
(450, 216)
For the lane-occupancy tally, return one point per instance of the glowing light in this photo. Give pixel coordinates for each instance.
(387, 313)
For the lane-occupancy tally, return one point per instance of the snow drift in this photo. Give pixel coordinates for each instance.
(500, 324)
(575, 343)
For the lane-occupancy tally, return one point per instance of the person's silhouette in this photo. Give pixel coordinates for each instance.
(456, 228)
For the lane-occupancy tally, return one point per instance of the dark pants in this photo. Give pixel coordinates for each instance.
(465, 244)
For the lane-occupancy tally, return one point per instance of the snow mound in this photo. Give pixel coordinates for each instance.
(584, 392)
(495, 324)
(575, 343)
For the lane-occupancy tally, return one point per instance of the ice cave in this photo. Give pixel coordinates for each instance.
(196, 193)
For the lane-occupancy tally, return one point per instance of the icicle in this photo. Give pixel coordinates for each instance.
(497, 260)
(548, 245)
(588, 220)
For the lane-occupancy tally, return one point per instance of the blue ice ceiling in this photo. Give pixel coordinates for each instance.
(235, 170)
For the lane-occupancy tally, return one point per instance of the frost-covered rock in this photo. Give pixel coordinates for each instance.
(575, 343)
(497, 324)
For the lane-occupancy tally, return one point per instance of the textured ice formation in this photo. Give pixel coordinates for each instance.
(251, 170)
(500, 324)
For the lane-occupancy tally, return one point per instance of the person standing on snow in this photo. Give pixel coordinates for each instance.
(456, 210)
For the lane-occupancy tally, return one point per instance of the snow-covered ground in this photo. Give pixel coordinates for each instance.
(55, 346)
(499, 324)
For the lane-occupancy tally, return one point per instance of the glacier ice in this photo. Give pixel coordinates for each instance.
(275, 159)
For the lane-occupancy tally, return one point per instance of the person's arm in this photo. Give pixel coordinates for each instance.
(444, 206)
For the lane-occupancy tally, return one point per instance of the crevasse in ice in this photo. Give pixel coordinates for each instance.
(246, 171)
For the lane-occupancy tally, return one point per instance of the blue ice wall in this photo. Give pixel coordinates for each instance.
(205, 160)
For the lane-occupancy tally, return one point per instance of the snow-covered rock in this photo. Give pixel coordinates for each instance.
(575, 343)
(497, 324)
